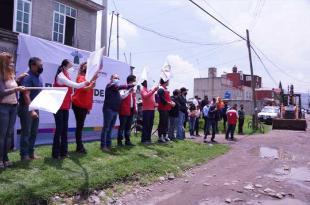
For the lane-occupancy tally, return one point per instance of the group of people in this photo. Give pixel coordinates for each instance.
(213, 112)
(16, 94)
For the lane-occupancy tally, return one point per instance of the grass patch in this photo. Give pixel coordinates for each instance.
(30, 183)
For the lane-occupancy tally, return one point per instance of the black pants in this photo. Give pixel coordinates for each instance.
(163, 123)
(60, 142)
(205, 127)
(211, 124)
(80, 116)
(230, 131)
(224, 124)
(124, 128)
(197, 126)
(147, 127)
(240, 125)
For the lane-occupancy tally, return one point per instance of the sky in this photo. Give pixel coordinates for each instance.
(278, 28)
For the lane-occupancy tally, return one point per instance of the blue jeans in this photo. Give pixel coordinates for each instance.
(29, 130)
(173, 124)
(180, 130)
(124, 128)
(192, 123)
(7, 122)
(109, 119)
(148, 121)
(211, 124)
(60, 142)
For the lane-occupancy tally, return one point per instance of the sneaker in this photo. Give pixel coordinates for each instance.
(2, 166)
(8, 164)
(161, 140)
(25, 158)
(81, 151)
(120, 143)
(146, 143)
(192, 137)
(34, 157)
(205, 140)
(213, 141)
(106, 149)
(129, 144)
(56, 157)
(167, 139)
(64, 156)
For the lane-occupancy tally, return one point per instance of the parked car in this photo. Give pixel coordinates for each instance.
(268, 113)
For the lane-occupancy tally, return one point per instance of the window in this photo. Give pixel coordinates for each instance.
(22, 17)
(248, 78)
(64, 24)
(6, 14)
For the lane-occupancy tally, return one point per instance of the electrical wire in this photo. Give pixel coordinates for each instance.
(176, 38)
(278, 67)
(264, 66)
(219, 21)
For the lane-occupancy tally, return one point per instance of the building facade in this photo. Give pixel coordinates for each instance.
(228, 86)
(69, 22)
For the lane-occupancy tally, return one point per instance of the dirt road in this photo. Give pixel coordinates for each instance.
(271, 169)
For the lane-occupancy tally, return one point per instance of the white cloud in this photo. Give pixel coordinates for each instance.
(183, 73)
(282, 31)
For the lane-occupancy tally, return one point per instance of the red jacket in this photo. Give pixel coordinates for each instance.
(148, 99)
(125, 109)
(67, 101)
(163, 104)
(82, 97)
(232, 117)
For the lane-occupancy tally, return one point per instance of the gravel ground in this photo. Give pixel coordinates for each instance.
(270, 169)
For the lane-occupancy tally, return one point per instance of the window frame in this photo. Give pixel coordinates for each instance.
(15, 16)
(64, 24)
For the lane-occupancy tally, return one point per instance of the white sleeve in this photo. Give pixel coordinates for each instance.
(62, 79)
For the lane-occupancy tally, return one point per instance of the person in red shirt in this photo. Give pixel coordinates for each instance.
(148, 109)
(62, 79)
(164, 106)
(82, 102)
(232, 118)
(126, 112)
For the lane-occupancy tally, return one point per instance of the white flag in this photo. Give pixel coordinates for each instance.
(143, 76)
(166, 72)
(49, 100)
(94, 63)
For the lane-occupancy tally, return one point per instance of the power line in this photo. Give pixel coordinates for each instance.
(176, 38)
(208, 4)
(278, 67)
(217, 19)
(264, 66)
(114, 4)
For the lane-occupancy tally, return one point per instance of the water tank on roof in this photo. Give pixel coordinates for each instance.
(235, 69)
(212, 72)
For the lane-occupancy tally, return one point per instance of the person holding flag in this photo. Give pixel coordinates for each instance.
(8, 105)
(62, 79)
(164, 106)
(127, 110)
(29, 120)
(148, 108)
(111, 106)
(82, 102)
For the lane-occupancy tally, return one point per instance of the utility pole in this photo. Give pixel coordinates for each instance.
(254, 123)
(111, 26)
(117, 15)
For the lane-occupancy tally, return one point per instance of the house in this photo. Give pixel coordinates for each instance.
(69, 22)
